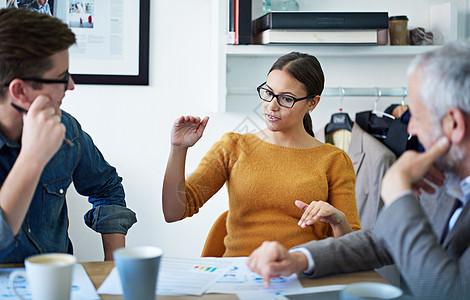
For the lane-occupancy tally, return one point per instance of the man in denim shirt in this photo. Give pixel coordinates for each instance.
(43, 149)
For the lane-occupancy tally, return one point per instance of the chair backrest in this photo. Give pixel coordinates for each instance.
(214, 245)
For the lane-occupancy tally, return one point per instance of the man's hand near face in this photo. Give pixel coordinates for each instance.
(409, 169)
(43, 132)
(429, 181)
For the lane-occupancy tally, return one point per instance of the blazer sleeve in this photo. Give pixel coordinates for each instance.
(353, 252)
(429, 270)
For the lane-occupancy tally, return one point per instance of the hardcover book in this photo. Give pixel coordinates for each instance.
(316, 36)
(320, 20)
(244, 22)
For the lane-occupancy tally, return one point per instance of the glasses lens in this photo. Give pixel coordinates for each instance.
(265, 94)
(286, 101)
(66, 80)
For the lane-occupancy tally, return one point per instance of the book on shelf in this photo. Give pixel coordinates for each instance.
(239, 22)
(244, 22)
(231, 22)
(316, 36)
(320, 20)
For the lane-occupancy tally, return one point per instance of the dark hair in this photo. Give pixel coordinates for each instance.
(28, 39)
(306, 69)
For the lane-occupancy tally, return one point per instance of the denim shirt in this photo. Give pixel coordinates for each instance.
(44, 228)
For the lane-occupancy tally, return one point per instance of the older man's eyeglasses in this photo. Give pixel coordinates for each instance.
(64, 81)
(283, 100)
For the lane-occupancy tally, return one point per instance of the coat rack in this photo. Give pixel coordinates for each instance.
(337, 92)
(365, 92)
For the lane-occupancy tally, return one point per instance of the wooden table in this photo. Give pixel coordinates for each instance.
(98, 271)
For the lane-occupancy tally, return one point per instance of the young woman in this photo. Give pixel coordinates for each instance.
(283, 184)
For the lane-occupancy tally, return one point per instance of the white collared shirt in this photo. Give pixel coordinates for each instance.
(465, 189)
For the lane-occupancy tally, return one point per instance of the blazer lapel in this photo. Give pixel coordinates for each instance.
(444, 205)
(458, 238)
(355, 151)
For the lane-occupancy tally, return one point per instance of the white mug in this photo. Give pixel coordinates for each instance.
(49, 276)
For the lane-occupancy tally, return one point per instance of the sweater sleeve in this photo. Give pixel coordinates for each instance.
(341, 188)
(210, 175)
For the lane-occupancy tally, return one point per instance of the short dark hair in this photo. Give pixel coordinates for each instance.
(307, 70)
(28, 39)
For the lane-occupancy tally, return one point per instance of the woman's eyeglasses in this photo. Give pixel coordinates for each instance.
(283, 100)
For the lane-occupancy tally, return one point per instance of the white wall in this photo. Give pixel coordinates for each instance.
(131, 125)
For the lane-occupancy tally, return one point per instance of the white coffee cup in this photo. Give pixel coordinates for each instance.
(370, 290)
(49, 276)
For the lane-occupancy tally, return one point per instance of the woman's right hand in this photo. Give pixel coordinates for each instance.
(319, 211)
(324, 212)
(187, 130)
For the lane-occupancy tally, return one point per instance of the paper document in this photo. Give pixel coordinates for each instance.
(178, 276)
(82, 287)
(327, 292)
(248, 285)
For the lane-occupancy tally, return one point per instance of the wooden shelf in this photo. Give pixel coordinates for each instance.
(328, 50)
(226, 58)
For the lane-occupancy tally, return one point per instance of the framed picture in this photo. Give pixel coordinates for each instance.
(112, 38)
(43, 6)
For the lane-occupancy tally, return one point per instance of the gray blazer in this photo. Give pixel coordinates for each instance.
(371, 159)
(404, 235)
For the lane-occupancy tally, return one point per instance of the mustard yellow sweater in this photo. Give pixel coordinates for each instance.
(263, 181)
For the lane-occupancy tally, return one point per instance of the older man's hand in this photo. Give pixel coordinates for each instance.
(409, 169)
(428, 183)
(272, 260)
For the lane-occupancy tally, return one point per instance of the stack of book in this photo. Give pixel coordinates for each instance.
(319, 27)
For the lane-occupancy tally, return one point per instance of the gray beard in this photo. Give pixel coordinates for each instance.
(451, 161)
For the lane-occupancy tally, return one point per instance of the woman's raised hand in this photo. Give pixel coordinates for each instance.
(187, 130)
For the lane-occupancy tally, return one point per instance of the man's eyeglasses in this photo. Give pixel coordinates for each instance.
(64, 81)
(282, 100)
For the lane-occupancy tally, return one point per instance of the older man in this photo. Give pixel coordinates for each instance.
(432, 250)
